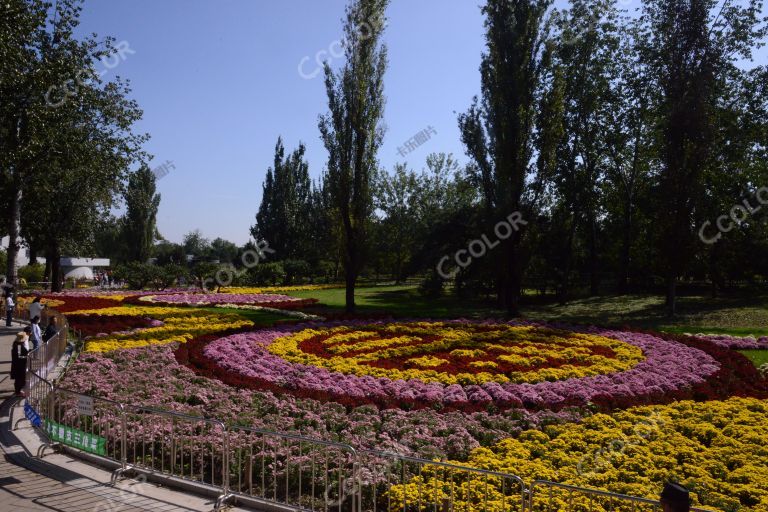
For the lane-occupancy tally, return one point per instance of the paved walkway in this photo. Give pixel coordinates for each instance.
(60, 483)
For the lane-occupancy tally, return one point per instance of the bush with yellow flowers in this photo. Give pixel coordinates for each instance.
(717, 449)
(178, 325)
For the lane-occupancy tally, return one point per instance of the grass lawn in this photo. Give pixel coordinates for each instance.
(259, 318)
(401, 301)
(759, 357)
(737, 316)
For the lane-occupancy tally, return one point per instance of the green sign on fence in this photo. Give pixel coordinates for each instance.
(69, 436)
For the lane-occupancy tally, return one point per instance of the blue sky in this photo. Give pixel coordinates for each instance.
(219, 81)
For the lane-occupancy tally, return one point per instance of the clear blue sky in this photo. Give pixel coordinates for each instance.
(219, 81)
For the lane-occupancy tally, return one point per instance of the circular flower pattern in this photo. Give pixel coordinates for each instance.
(215, 299)
(456, 353)
(290, 358)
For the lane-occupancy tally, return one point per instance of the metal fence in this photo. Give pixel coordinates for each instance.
(391, 481)
(289, 470)
(547, 496)
(292, 470)
(284, 469)
(178, 445)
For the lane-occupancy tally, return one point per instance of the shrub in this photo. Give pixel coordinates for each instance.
(295, 271)
(137, 275)
(432, 285)
(267, 274)
(32, 273)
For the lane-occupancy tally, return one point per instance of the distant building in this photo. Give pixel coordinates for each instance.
(22, 257)
(81, 268)
(71, 268)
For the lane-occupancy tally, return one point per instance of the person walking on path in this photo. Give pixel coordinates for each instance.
(36, 308)
(9, 305)
(51, 330)
(36, 336)
(19, 351)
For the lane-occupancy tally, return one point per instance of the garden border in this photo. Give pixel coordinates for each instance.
(42, 400)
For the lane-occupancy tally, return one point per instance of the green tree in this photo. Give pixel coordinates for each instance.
(691, 47)
(22, 86)
(109, 241)
(352, 130)
(630, 151)
(64, 158)
(140, 221)
(224, 251)
(395, 197)
(167, 252)
(196, 245)
(585, 53)
(498, 131)
(284, 217)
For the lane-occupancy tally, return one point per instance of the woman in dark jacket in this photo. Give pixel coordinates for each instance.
(19, 351)
(51, 330)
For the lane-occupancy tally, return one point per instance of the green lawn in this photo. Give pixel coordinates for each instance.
(759, 357)
(259, 318)
(737, 316)
(401, 301)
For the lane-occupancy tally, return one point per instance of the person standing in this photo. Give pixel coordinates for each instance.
(36, 336)
(19, 351)
(36, 308)
(9, 305)
(51, 330)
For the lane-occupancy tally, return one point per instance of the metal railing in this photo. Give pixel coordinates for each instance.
(547, 496)
(284, 469)
(391, 481)
(292, 470)
(88, 417)
(178, 445)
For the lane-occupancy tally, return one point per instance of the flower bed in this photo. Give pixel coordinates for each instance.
(178, 325)
(280, 289)
(152, 376)
(94, 325)
(265, 360)
(512, 397)
(736, 343)
(716, 448)
(213, 299)
(73, 303)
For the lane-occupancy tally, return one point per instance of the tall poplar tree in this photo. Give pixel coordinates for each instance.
(284, 216)
(352, 130)
(498, 129)
(140, 221)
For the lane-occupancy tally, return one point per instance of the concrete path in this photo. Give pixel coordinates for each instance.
(61, 483)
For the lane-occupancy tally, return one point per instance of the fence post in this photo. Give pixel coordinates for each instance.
(123, 440)
(51, 398)
(225, 475)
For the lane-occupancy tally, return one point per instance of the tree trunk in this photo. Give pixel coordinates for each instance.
(47, 274)
(14, 216)
(594, 278)
(350, 268)
(563, 291)
(350, 293)
(55, 259)
(512, 292)
(671, 295)
(626, 247)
